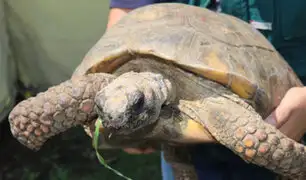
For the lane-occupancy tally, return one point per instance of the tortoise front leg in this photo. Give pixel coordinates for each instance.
(61, 107)
(237, 125)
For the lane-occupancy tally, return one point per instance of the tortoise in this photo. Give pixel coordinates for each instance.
(173, 75)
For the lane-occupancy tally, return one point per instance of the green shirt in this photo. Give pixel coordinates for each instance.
(282, 22)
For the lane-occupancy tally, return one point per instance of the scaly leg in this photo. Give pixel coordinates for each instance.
(68, 104)
(239, 127)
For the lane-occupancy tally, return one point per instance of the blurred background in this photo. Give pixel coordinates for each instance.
(41, 43)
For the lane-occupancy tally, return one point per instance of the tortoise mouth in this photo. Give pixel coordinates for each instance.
(114, 126)
(136, 135)
(108, 123)
(133, 119)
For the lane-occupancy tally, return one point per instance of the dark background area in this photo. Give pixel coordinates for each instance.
(70, 155)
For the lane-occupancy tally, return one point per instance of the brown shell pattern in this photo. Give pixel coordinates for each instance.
(213, 45)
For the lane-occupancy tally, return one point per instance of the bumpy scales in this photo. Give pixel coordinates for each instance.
(239, 127)
(61, 107)
(174, 74)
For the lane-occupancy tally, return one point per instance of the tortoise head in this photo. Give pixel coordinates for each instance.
(128, 104)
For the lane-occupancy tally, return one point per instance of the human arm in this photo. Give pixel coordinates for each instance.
(115, 14)
(119, 8)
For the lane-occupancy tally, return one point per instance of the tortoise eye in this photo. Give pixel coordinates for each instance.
(138, 103)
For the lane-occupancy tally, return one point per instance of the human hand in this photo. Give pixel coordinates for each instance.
(290, 116)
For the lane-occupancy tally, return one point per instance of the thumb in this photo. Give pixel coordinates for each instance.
(288, 117)
(279, 116)
(288, 104)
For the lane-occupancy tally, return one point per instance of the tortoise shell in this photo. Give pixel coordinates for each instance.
(213, 45)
